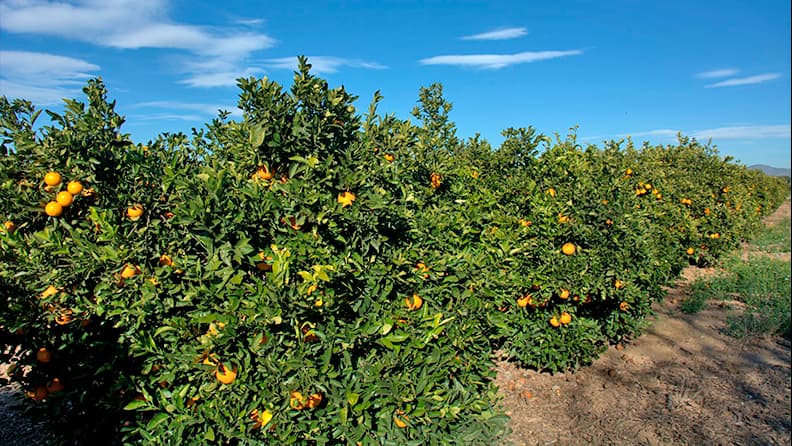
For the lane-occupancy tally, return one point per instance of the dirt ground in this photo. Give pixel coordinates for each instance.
(683, 382)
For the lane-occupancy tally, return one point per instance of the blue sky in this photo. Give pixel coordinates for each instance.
(718, 69)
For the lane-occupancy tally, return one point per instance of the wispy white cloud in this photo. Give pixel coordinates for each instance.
(496, 61)
(133, 24)
(750, 80)
(498, 34)
(322, 64)
(745, 132)
(42, 78)
(714, 74)
(780, 131)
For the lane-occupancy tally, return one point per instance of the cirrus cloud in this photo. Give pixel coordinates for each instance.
(498, 34)
(497, 61)
(750, 80)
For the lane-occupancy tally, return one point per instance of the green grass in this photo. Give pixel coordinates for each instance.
(761, 283)
(775, 239)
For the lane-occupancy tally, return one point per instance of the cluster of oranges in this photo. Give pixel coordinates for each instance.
(64, 198)
(563, 319)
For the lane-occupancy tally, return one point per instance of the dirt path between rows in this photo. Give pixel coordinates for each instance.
(683, 382)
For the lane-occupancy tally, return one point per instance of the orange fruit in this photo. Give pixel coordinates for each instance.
(568, 249)
(554, 322)
(261, 418)
(225, 375)
(525, 301)
(413, 303)
(165, 260)
(9, 226)
(64, 317)
(690, 251)
(48, 292)
(624, 306)
(346, 198)
(263, 173)
(296, 400)
(313, 401)
(74, 187)
(38, 394)
(565, 318)
(43, 355)
(618, 284)
(52, 179)
(434, 178)
(400, 420)
(64, 198)
(551, 192)
(134, 212)
(628, 172)
(563, 219)
(389, 158)
(53, 209)
(563, 294)
(129, 271)
(54, 386)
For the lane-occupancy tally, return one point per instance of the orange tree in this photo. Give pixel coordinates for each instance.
(309, 275)
(253, 283)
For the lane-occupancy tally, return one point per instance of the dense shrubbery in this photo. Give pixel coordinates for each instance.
(309, 275)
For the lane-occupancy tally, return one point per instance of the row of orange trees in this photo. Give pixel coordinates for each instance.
(312, 275)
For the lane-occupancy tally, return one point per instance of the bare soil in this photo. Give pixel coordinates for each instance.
(683, 382)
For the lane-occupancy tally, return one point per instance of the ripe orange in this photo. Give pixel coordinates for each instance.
(568, 248)
(565, 318)
(525, 301)
(551, 192)
(129, 271)
(414, 303)
(263, 173)
(74, 187)
(38, 394)
(563, 294)
(624, 306)
(389, 158)
(52, 179)
(618, 284)
(554, 322)
(690, 251)
(346, 198)
(9, 226)
(628, 172)
(400, 420)
(48, 292)
(53, 209)
(314, 401)
(64, 198)
(296, 400)
(134, 212)
(225, 375)
(434, 178)
(54, 386)
(43, 355)
(261, 418)
(165, 260)
(64, 317)
(563, 219)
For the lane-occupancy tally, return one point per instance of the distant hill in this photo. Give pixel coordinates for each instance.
(772, 171)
